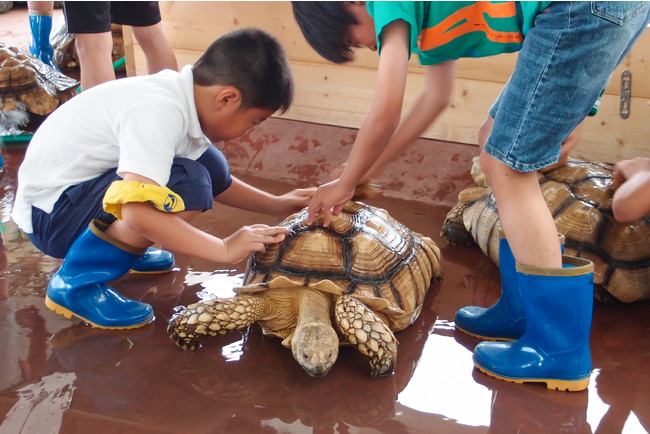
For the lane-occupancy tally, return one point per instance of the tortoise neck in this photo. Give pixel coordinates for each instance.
(314, 306)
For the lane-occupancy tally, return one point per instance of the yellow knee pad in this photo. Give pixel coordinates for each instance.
(121, 192)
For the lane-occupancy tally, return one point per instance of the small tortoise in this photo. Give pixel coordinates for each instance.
(365, 272)
(579, 195)
(26, 80)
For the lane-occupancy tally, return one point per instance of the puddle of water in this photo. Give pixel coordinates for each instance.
(40, 406)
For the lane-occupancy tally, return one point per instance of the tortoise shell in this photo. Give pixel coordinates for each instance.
(25, 79)
(579, 196)
(364, 252)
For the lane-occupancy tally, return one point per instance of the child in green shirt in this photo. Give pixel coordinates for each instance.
(567, 51)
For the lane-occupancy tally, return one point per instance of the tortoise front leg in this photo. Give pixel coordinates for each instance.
(213, 317)
(369, 333)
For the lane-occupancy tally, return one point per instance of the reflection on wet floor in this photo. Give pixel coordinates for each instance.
(58, 375)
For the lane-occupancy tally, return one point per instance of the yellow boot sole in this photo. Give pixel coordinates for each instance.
(485, 338)
(57, 308)
(562, 385)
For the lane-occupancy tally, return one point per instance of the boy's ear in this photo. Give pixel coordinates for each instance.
(228, 96)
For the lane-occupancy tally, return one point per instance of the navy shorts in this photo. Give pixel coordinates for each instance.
(96, 17)
(197, 182)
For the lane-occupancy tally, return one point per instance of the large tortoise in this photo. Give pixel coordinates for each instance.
(579, 195)
(28, 81)
(366, 272)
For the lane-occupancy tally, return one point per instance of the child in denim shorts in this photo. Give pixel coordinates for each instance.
(130, 163)
(567, 52)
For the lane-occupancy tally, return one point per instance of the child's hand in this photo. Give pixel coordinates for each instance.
(366, 189)
(250, 239)
(293, 201)
(329, 199)
(631, 200)
(629, 168)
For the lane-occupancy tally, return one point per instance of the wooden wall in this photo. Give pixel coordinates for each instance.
(341, 95)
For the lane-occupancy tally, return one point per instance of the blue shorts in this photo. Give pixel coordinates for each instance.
(564, 64)
(197, 182)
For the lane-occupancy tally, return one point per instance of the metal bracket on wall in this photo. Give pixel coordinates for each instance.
(626, 89)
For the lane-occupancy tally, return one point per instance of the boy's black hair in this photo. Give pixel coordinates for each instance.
(325, 27)
(252, 61)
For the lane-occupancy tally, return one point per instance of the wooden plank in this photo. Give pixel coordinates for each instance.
(342, 94)
(129, 52)
(607, 137)
(499, 68)
(332, 95)
(194, 25)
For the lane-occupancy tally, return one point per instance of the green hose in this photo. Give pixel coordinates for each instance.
(19, 138)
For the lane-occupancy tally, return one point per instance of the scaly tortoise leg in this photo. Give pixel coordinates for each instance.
(369, 333)
(213, 317)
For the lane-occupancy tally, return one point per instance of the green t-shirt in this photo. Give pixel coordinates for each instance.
(442, 30)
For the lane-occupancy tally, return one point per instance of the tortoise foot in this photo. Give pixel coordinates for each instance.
(368, 332)
(183, 330)
(213, 317)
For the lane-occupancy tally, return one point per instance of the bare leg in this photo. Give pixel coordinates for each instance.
(121, 231)
(157, 48)
(41, 6)
(96, 63)
(525, 217)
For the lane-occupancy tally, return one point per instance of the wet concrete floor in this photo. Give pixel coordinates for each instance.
(58, 375)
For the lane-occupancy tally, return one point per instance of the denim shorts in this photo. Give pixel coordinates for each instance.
(197, 182)
(564, 64)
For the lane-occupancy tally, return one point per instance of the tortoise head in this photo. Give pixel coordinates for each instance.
(315, 346)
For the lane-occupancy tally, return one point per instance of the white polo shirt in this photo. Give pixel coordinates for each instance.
(137, 124)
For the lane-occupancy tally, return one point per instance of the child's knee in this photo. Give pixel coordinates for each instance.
(218, 169)
(89, 44)
(488, 164)
(149, 36)
(191, 180)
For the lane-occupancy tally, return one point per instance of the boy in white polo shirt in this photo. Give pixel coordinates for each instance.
(130, 162)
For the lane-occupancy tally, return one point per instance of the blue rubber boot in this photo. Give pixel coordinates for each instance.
(505, 320)
(40, 47)
(154, 261)
(79, 287)
(558, 303)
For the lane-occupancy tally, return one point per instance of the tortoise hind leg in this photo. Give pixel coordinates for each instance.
(369, 333)
(213, 317)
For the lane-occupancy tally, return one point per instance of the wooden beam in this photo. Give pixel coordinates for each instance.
(342, 94)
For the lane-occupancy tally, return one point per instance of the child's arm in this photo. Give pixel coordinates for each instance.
(378, 126)
(245, 196)
(431, 101)
(174, 233)
(170, 230)
(632, 199)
